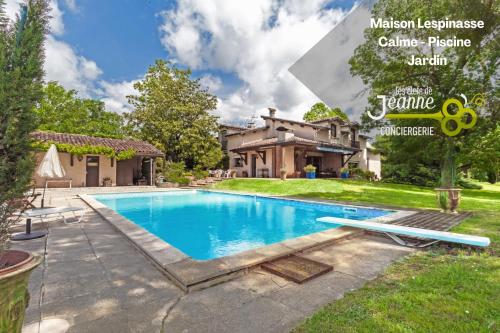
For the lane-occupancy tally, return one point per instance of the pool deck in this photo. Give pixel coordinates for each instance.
(191, 274)
(94, 280)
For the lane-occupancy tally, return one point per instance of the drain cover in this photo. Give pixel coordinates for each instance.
(296, 269)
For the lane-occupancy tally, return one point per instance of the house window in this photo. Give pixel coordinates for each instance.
(333, 129)
(353, 165)
(112, 162)
(238, 162)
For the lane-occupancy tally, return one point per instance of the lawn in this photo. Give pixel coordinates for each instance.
(438, 290)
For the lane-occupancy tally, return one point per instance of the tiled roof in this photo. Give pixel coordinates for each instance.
(118, 145)
(327, 119)
(303, 123)
(249, 130)
(233, 127)
(289, 140)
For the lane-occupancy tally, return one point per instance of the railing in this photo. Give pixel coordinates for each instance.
(355, 144)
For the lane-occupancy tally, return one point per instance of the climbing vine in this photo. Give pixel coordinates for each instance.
(85, 149)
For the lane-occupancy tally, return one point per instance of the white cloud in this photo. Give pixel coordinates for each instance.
(211, 82)
(73, 71)
(71, 4)
(115, 95)
(256, 40)
(56, 21)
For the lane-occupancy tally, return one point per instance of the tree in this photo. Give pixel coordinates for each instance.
(62, 111)
(469, 70)
(21, 75)
(320, 111)
(172, 111)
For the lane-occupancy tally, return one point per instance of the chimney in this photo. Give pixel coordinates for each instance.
(272, 112)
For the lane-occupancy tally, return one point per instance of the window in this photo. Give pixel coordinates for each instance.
(333, 130)
(238, 162)
(353, 165)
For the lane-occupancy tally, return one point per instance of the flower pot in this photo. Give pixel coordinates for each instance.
(311, 175)
(15, 270)
(107, 183)
(283, 176)
(344, 175)
(448, 199)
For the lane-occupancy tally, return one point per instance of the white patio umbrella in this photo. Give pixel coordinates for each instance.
(50, 167)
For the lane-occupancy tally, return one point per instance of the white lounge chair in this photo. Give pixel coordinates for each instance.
(391, 230)
(42, 213)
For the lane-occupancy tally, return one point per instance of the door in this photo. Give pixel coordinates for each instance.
(92, 178)
(254, 166)
(316, 161)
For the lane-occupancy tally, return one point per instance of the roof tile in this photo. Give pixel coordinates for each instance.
(118, 145)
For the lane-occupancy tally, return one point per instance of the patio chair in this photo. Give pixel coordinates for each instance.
(27, 201)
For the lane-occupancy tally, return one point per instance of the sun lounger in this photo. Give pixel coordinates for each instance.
(391, 230)
(42, 213)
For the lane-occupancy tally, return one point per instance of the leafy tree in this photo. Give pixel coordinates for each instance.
(320, 111)
(21, 74)
(62, 111)
(470, 70)
(483, 153)
(172, 111)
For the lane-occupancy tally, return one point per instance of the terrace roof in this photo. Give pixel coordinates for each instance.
(141, 148)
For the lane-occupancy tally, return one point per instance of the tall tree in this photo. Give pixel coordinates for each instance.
(21, 75)
(469, 70)
(172, 111)
(320, 111)
(63, 111)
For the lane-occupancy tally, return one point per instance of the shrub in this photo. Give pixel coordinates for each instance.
(468, 185)
(199, 173)
(310, 168)
(181, 180)
(492, 177)
(174, 171)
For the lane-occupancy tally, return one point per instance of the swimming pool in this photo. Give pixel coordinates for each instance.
(207, 225)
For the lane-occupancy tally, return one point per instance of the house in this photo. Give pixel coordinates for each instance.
(328, 144)
(90, 169)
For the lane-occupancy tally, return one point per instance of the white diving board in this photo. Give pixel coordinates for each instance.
(409, 231)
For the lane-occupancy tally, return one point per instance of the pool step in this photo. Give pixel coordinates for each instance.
(297, 269)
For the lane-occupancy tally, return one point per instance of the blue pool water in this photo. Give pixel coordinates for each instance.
(207, 225)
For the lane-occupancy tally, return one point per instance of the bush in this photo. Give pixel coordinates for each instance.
(174, 171)
(415, 175)
(310, 168)
(492, 177)
(199, 173)
(468, 185)
(181, 180)
(358, 173)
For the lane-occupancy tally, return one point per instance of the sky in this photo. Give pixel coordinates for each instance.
(240, 50)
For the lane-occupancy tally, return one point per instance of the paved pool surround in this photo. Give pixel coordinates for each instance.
(190, 274)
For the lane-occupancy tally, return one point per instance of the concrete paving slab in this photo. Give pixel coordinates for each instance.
(116, 289)
(261, 315)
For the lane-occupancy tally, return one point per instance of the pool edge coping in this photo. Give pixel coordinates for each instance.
(191, 274)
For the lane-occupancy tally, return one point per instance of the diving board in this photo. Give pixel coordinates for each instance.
(409, 231)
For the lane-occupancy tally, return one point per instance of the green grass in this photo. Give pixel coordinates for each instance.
(453, 290)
